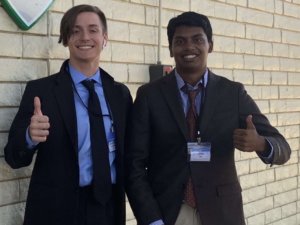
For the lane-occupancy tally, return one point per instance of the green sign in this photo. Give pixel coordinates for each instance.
(26, 13)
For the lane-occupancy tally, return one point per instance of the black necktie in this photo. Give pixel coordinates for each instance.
(191, 120)
(101, 168)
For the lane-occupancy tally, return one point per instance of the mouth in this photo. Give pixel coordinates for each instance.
(84, 47)
(189, 57)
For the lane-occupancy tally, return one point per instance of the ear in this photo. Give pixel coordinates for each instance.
(211, 46)
(104, 40)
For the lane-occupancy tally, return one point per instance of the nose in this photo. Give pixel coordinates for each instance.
(85, 35)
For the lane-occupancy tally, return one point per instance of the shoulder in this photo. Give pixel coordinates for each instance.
(223, 82)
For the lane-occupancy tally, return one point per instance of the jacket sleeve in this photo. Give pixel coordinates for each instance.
(139, 192)
(247, 106)
(16, 152)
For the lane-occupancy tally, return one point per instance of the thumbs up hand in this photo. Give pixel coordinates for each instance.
(39, 124)
(248, 140)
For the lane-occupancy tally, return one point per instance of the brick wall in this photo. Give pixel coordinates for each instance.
(256, 42)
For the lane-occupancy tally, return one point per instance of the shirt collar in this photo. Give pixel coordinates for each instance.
(78, 77)
(181, 83)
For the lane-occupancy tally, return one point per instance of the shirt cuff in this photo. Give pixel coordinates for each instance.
(30, 143)
(157, 222)
(269, 157)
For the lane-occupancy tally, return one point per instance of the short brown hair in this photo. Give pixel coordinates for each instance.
(69, 18)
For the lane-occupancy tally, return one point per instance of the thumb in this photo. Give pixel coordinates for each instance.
(249, 123)
(37, 106)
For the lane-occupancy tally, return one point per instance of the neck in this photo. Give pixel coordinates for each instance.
(192, 78)
(86, 68)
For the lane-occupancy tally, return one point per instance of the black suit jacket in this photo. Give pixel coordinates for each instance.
(157, 164)
(53, 191)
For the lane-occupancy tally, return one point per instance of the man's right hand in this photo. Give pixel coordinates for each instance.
(39, 124)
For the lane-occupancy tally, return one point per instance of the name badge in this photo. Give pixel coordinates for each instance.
(199, 152)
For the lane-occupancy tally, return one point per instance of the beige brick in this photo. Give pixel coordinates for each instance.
(263, 33)
(287, 23)
(256, 220)
(138, 73)
(294, 144)
(289, 209)
(146, 2)
(142, 34)
(224, 73)
(280, 49)
(254, 194)
(291, 10)
(225, 11)
(254, 62)
(262, 78)
(35, 47)
(237, 2)
(279, 78)
(294, 78)
(246, 15)
(120, 53)
(243, 76)
(56, 50)
(6, 115)
(10, 94)
(3, 140)
(259, 206)
(118, 31)
(24, 184)
(150, 54)
(165, 57)
(282, 186)
(285, 198)
(182, 5)
(8, 173)
(106, 54)
(262, 5)
(6, 23)
(271, 63)
(292, 92)
(255, 179)
(292, 220)
(228, 28)
(22, 69)
(244, 46)
(263, 48)
(278, 6)
(152, 16)
(290, 37)
(117, 70)
(286, 171)
(233, 61)
(273, 215)
(54, 66)
(206, 7)
(288, 118)
(215, 60)
(12, 45)
(40, 27)
(290, 132)
(54, 25)
(9, 192)
(242, 167)
(256, 165)
(247, 155)
(289, 65)
(12, 214)
(263, 105)
(294, 52)
(272, 118)
(61, 5)
(269, 92)
(223, 44)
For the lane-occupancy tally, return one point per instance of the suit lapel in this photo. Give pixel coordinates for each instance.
(170, 92)
(210, 101)
(64, 96)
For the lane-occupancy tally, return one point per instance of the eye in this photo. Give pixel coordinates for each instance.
(75, 31)
(178, 42)
(199, 40)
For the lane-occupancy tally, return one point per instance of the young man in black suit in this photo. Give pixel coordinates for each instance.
(184, 129)
(55, 122)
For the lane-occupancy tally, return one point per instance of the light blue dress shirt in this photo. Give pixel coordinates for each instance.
(81, 96)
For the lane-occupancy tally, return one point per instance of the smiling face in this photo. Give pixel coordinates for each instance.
(87, 39)
(190, 48)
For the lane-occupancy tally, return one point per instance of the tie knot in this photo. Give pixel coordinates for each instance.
(192, 93)
(89, 84)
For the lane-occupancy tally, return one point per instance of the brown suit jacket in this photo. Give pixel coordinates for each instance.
(54, 186)
(157, 164)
